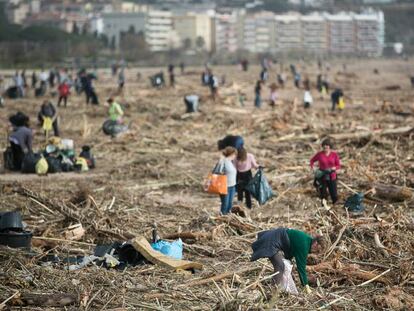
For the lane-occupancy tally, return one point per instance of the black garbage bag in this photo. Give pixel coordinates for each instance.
(8, 159)
(12, 92)
(55, 164)
(259, 187)
(113, 128)
(354, 203)
(29, 163)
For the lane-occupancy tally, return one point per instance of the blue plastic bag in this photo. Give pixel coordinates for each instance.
(259, 187)
(354, 203)
(173, 249)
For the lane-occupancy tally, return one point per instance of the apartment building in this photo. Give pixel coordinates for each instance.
(369, 30)
(17, 13)
(288, 32)
(341, 34)
(159, 32)
(191, 26)
(314, 33)
(259, 32)
(229, 30)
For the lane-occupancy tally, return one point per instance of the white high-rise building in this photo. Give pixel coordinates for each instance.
(288, 32)
(314, 33)
(369, 30)
(228, 30)
(196, 28)
(259, 32)
(159, 32)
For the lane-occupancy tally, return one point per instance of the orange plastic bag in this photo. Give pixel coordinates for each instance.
(216, 183)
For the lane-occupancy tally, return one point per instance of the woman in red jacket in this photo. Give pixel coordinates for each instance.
(63, 93)
(325, 177)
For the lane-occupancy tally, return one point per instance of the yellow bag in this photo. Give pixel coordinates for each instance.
(83, 164)
(341, 103)
(41, 166)
(47, 124)
(323, 91)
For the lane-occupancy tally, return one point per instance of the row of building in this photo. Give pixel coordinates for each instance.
(206, 28)
(318, 33)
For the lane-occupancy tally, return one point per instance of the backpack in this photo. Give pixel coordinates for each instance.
(54, 164)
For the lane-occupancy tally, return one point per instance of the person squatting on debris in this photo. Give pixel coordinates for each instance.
(325, 177)
(244, 164)
(281, 243)
(115, 111)
(47, 118)
(307, 99)
(21, 139)
(230, 154)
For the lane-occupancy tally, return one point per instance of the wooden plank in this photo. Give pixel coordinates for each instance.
(141, 244)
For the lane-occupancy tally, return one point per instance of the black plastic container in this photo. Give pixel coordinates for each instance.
(16, 239)
(11, 221)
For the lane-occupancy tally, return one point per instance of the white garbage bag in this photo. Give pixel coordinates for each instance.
(287, 282)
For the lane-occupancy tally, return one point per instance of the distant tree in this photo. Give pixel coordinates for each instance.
(84, 29)
(187, 43)
(277, 5)
(75, 28)
(112, 45)
(131, 29)
(104, 39)
(200, 42)
(142, 43)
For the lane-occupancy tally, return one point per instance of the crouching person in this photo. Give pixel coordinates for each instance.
(282, 243)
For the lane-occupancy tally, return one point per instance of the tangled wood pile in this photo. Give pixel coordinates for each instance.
(154, 174)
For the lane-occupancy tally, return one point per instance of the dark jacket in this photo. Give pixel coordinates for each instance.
(293, 243)
(232, 141)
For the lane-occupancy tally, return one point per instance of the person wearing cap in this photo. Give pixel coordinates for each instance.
(115, 111)
(283, 243)
(326, 176)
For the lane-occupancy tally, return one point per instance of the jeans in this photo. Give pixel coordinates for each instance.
(258, 101)
(243, 179)
(64, 99)
(331, 186)
(278, 266)
(227, 200)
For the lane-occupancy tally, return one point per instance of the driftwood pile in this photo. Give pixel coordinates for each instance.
(154, 174)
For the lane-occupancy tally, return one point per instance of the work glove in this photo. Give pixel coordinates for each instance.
(308, 290)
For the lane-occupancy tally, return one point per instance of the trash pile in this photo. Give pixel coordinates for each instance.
(156, 174)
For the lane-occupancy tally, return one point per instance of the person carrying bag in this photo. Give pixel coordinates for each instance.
(222, 180)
